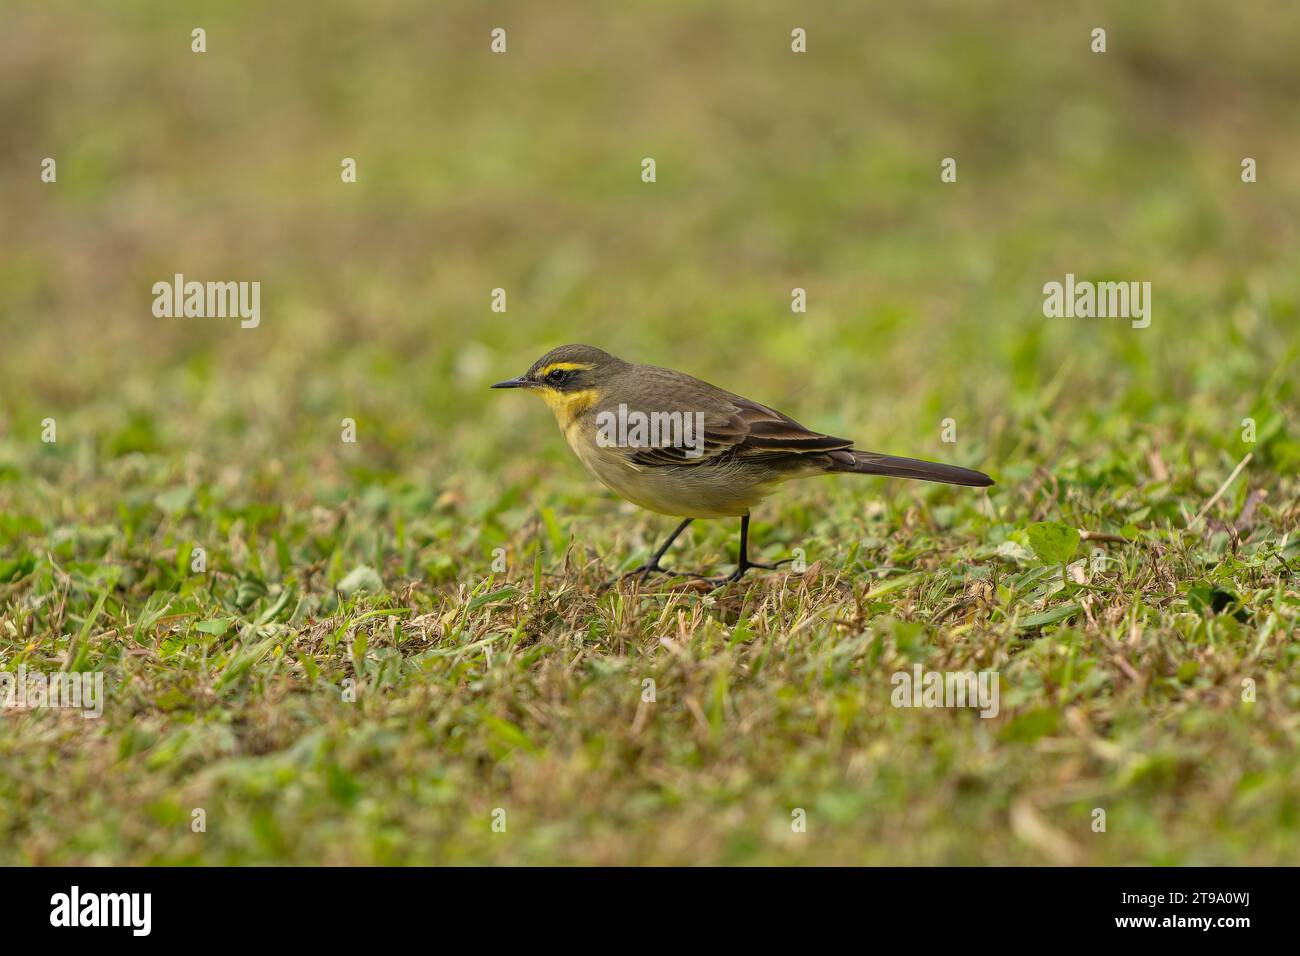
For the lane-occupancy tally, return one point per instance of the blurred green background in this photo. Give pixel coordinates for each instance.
(522, 171)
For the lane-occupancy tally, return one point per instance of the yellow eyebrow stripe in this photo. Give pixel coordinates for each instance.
(564, 367)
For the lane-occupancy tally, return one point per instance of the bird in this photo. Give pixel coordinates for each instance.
(676, 445)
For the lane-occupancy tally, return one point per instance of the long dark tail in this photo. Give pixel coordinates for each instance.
(869, 463)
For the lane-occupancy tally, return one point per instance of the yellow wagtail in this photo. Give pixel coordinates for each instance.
(678, 446)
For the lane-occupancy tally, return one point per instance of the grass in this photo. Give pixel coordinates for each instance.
(367, 567)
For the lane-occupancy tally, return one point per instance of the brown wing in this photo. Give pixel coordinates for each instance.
(745, 430)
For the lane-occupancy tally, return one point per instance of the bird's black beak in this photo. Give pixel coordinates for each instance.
(519, 382)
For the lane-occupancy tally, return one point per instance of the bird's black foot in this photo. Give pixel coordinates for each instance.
(644, 571)
(770, 567)
(653, 566)
(741, 569)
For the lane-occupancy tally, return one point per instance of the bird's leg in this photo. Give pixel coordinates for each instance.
(653, 565)
(743, 563)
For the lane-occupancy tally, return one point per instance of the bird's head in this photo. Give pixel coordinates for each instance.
(570, 378)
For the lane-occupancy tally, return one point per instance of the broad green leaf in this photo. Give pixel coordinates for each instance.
(1053, 542)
